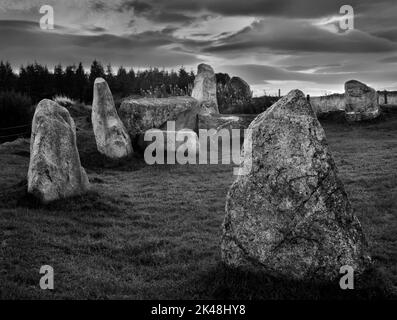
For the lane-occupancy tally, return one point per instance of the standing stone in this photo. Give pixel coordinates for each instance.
(361, 101)
(110, 134)
(241, 86)
(205, 89)
(55, 171)
(290, 214)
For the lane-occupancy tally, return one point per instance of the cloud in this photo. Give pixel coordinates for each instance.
(259, 8)
(96, 29)
(153, 12)
(271, 42)
(256, 74)
(389, 34)
(137, 6)
(297, 35)
(312, 67)
(24, 42)
(389, 60)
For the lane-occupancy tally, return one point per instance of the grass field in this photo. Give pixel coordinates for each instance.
(153, 232)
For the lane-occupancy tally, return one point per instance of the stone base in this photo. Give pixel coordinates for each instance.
(362, 116)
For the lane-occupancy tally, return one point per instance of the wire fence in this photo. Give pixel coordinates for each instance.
(16, 127)
(3, 131)
(14, 135)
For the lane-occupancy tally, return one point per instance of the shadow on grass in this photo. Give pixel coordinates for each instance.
(92, 201)
(339, 118)
(91, 159)
(222, 282)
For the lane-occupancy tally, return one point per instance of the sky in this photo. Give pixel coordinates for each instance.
(272, 44)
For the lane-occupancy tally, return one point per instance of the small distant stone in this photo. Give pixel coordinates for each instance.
(204, 89)
(361, 102)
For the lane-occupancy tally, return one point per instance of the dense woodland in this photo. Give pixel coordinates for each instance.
(38, 82)
(21, 91)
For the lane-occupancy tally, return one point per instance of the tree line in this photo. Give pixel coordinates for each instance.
(38, 82)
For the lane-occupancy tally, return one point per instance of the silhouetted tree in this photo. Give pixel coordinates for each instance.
(222, 78)
(184, 79)
(96, 71)
(58, 83)
(81, 81)
(8, 79)
(37, 82)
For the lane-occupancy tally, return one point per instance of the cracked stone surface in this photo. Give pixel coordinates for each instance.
(111, 136)
(55, 171)
(290, 215)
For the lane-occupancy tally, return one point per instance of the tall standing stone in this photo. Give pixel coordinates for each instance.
(111, 136)
(361, 101)
(205, 89)
(290, 214)
(55, 171)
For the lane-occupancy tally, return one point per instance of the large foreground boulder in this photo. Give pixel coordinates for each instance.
(361, 101)
(140, 115)
(111, 136)
(204, 89)
(55, 171)
(290, 213)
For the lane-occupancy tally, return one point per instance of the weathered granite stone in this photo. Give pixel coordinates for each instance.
(204, 89)
(290, 214)
(139, 115)
(111, 136)
(241, 86)
(55, 171)
(361, 102)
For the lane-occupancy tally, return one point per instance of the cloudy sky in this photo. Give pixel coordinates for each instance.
(272, 44)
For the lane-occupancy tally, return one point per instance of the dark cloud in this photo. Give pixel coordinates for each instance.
(298, 36)
(23, 42)
(98, 5)
(201, 34)
(96, 29)
(139, 7)
(167, 17)
(389, 34)
(264, 8)
(153, 13)
(290, 40)
(389, 60)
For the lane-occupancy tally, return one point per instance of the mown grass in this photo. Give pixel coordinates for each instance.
(153, 232)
